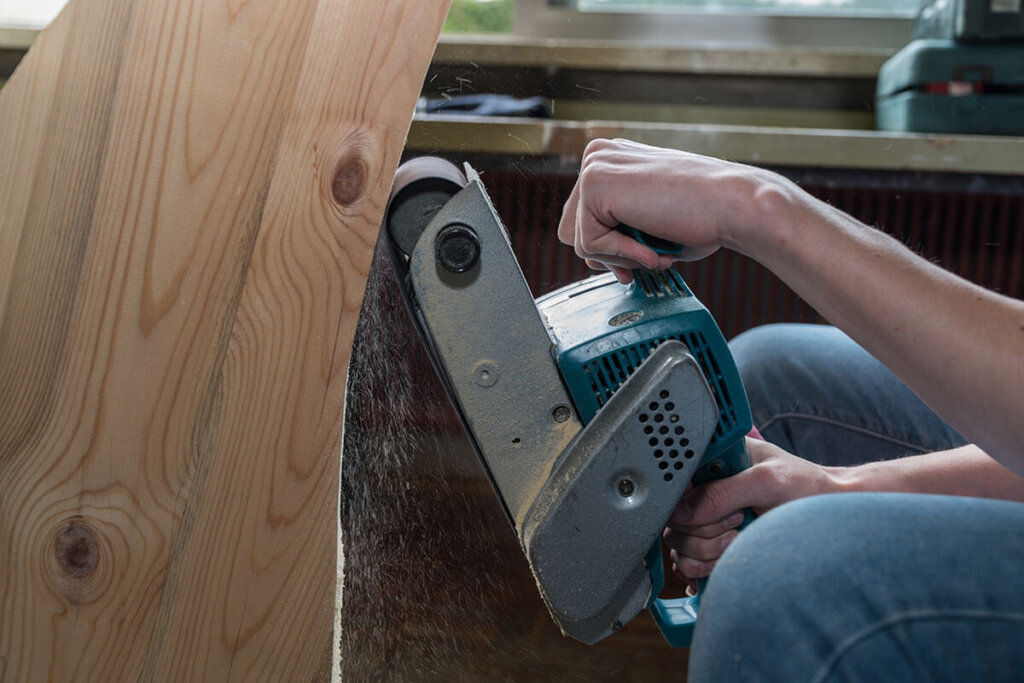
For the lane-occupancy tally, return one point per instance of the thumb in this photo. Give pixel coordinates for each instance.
(715, 500)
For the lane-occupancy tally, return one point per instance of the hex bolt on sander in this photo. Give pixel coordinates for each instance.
(591, 408)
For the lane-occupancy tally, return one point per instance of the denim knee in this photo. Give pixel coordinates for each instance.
(861, 586)
(815, 393)
(761, 355)
(760, 599)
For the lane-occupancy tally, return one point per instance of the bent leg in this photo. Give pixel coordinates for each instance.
(817, 394)
(868, 587)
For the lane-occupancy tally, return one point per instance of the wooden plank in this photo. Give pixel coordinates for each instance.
(190, 221)
(22, 155)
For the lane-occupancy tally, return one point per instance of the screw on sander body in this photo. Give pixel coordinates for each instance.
(457, 248)
(561, 413)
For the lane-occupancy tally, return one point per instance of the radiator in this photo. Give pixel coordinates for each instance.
(978, 235)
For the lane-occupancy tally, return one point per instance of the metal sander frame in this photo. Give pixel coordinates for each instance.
(587, 502)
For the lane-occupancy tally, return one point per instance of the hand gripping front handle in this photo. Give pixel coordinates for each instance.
(658, 245)
(677, 617)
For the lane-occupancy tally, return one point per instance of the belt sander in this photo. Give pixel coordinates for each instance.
(591, 408)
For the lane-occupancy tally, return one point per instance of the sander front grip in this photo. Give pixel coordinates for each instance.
(677, 617)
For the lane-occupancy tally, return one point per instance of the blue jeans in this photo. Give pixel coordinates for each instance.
(859, 587)
(817, 394)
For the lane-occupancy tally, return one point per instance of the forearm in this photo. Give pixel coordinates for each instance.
(965, 471)
(705, 520)
(957, 345)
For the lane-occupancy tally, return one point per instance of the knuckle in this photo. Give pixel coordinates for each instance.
(590, 176)
(768, 478)
(596, 145)
(731, 522)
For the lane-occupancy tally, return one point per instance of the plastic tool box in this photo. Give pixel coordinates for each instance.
(970, 20)
(944, 86)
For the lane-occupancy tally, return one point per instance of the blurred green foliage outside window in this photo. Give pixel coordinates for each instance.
(479, 16)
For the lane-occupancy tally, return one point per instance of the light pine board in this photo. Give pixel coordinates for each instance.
(189, 198)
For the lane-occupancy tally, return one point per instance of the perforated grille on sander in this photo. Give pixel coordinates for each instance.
(666, 434)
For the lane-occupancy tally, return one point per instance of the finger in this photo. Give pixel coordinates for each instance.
(691, 584)
(596, 239)
(689, 568)
(701, 549)
(567, 223)
(715, 500)
(596, 236)
(732, 521)
(610, 262)
(624, 275)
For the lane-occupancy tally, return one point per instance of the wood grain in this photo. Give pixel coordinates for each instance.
(185, 233)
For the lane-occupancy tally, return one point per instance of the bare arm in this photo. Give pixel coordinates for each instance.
(959, 346)
(704, 523)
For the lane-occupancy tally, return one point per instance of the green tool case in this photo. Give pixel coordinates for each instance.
(942, 86)
(970, 21)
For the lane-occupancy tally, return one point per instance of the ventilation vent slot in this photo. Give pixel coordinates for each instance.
(607, 373)
(660, 284)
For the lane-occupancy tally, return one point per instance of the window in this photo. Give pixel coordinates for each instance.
(29, 14)
(858, 8)
(740, 24)
(479, 16)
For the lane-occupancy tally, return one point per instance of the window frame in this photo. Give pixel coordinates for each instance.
(755, 30)
(665, 7)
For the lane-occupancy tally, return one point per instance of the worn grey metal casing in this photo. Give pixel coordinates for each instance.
(610, 495)
(561, 483)
(495, 351)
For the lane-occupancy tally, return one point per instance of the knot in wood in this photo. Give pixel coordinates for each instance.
(78, 551)
(350, 179)
(78, 561)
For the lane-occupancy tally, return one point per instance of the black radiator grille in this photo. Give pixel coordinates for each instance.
(978, 235)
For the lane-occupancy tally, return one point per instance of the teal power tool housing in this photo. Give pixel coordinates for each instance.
(603, 332)
(591, 408)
